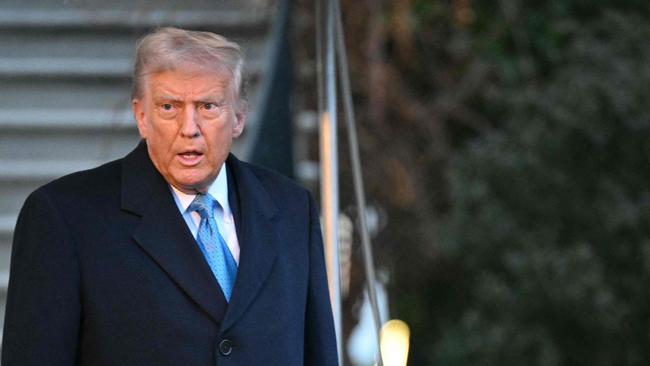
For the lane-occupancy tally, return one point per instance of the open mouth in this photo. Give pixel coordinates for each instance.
(190, 158)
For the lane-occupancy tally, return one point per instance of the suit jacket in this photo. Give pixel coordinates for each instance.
(104, 271)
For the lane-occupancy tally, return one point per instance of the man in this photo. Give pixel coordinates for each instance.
(177, 254)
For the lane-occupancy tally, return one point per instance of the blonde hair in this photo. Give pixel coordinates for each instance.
(168, 48)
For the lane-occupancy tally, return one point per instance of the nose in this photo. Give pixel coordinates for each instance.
(189, 123)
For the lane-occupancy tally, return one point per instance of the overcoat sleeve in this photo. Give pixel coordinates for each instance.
(320, 339)
(42, 316)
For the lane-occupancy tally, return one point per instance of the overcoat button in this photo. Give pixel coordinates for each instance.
(225, 347)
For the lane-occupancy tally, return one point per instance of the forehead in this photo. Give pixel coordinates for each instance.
(189, 81)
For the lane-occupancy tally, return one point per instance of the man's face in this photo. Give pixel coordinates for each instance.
(189, 118)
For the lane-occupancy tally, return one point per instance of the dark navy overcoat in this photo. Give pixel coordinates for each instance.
(104, 271)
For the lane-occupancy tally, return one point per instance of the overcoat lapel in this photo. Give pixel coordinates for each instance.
(257, 240)
(163, 234)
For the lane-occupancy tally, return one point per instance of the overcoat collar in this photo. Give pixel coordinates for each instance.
(257, 236)
(163, 234)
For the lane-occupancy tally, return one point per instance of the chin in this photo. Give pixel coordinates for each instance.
(195, 184)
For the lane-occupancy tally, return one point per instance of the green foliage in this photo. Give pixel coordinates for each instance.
(550, 209)
(507, 142)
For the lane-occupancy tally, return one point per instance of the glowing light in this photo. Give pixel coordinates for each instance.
(395, 338)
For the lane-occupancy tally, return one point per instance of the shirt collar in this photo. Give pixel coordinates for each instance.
(218, 190)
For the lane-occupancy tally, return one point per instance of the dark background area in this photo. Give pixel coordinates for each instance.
(507, 144)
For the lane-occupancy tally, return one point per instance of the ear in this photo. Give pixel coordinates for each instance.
(137, 106)
(240, 122)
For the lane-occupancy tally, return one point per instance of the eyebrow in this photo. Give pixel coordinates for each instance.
(202, 99)
(214, 100)
(167, 97)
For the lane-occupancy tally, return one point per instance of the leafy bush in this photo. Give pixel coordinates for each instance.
(550, 213)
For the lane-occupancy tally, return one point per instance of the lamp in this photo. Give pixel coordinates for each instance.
(395, 336)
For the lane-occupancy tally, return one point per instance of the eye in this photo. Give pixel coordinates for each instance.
(167, 110)
(211, 109)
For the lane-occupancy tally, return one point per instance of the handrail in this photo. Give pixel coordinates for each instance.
(357, 176)
(334, 48)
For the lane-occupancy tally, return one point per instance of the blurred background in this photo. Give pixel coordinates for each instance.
(504, 146)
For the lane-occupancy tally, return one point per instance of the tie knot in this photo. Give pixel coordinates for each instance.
(204, 205)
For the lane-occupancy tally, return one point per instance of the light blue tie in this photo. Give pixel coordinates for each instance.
(213, 245)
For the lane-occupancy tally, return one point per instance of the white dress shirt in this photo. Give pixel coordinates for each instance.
(223, 215)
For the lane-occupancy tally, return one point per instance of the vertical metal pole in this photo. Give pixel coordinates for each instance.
(329, 165)
(355, 158)
(329, 197)
(320, 61)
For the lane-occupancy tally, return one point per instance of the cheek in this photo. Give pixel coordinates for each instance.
(142, 129)
(218, 140)
(163, 137)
